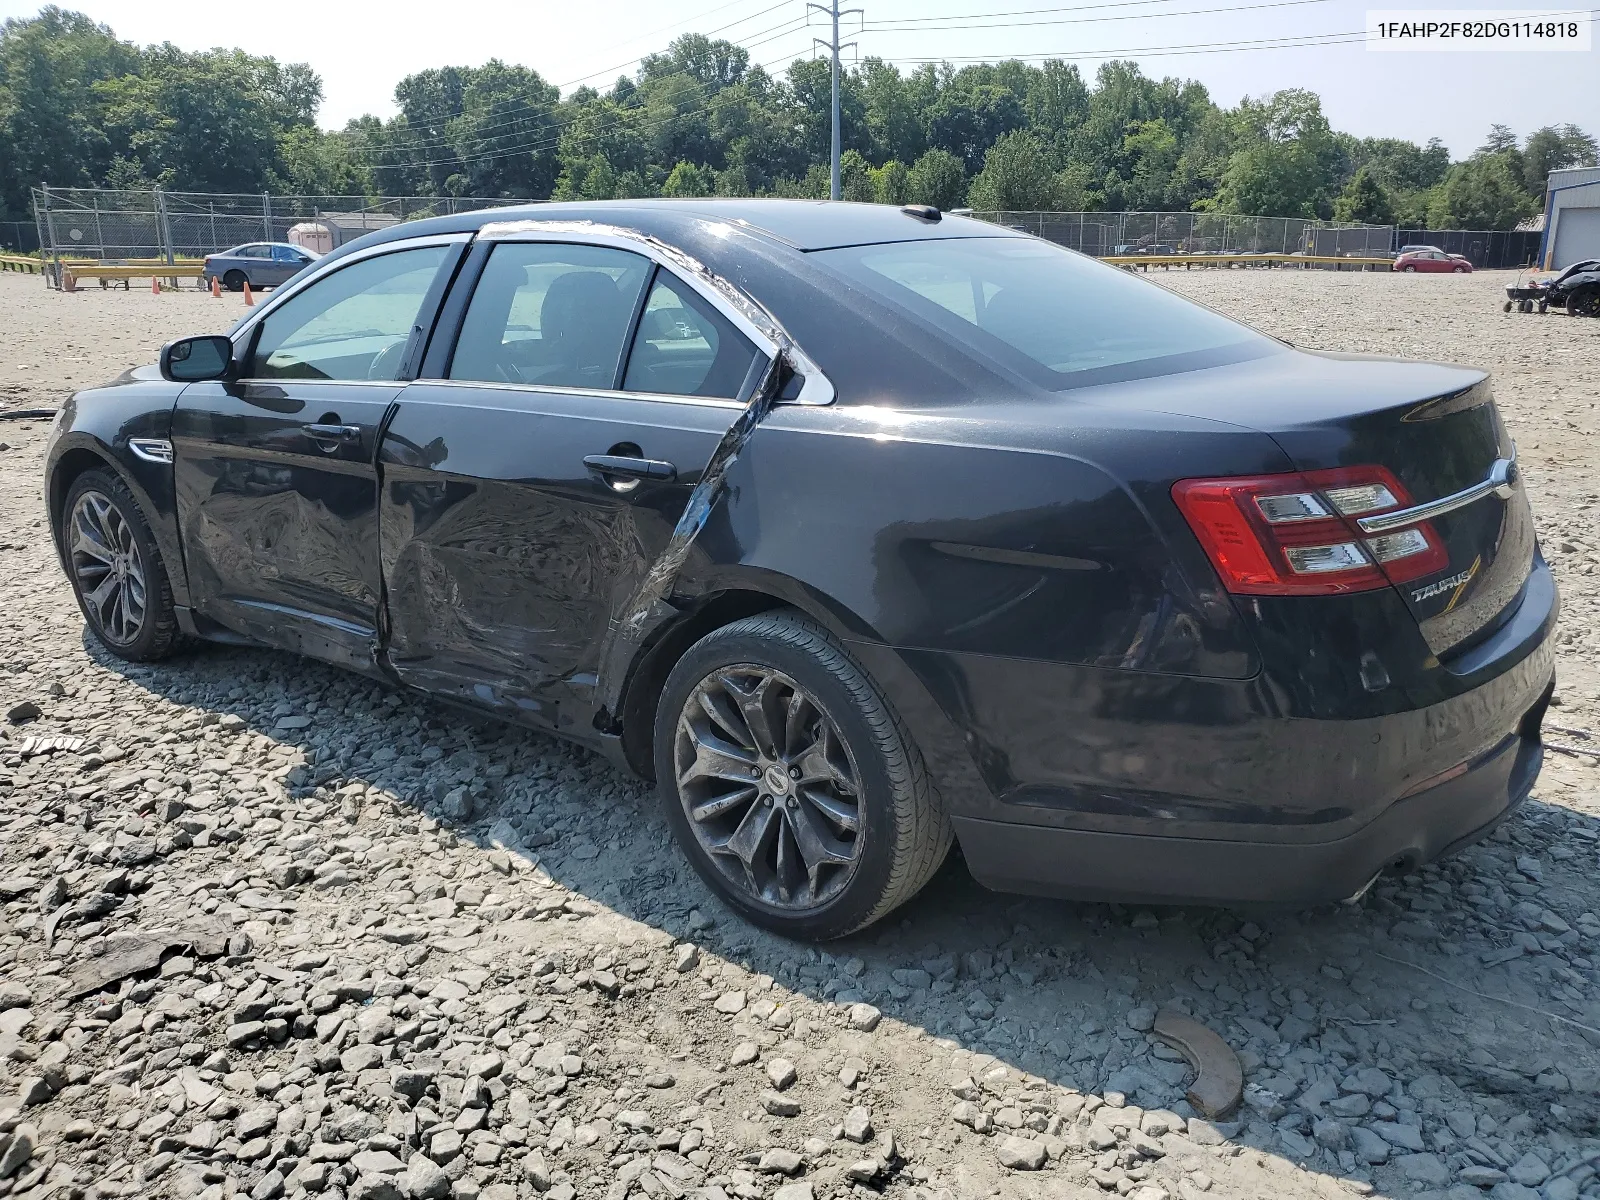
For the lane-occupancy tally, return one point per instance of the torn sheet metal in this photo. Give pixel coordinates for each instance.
(633, 623)
(647, 607)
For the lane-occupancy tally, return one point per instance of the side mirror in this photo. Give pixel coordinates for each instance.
(197, 359)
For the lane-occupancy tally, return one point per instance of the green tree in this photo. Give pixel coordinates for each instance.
(1364, 200)
(689, 180)
(855, 178)
(1481, 193)
(507, 132)
(1016, 176)
(1554, 149)
(891, 183)
(967, 121)
(937, 178)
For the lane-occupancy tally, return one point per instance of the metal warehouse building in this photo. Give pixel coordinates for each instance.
(1571, 218)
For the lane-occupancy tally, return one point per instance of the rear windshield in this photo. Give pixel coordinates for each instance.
(1056, 317)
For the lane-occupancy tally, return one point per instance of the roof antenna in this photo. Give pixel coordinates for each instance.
(923, 212)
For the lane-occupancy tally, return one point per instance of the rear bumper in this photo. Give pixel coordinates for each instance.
(1111, 866)
(1116, 785)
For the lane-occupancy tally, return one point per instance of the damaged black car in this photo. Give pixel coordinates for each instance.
(865, 532)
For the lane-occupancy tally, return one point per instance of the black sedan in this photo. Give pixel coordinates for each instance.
(862, 530)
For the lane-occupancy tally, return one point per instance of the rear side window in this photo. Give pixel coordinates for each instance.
(685, 347)
(1054, 316)
(352, 323)
(551, 315)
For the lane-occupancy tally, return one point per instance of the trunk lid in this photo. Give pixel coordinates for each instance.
(1435, 427)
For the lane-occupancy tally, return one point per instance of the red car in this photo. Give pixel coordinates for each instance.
(1432, 260)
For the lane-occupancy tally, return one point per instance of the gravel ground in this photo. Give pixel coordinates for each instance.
(422, 957)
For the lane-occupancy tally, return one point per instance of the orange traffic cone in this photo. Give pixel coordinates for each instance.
(249, 300)
(216, 287)
(155, 286)
(69, 282)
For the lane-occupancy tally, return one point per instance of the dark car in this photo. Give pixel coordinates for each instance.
(260, 264)
(1577, 289)
(861, 530)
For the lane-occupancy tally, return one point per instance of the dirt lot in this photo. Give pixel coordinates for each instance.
(430, 957)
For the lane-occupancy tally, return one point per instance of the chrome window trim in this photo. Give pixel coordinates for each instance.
(152, 450)
(496, 385)
(286, 292)
(746, 315)
(1501, 481)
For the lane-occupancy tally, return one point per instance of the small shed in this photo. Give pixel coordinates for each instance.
(330, 230)
(1571, 218)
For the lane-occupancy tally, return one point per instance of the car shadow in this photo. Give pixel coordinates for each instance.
(1483, 1048)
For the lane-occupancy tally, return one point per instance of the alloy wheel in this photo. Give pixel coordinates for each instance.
(769, 786)
(108, 568)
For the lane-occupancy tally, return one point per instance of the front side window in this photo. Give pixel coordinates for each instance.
(351, 324)
(550, 314)
(684, 347)
(1056, 317)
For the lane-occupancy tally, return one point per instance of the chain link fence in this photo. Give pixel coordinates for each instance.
(109, 225)
(1114, 233)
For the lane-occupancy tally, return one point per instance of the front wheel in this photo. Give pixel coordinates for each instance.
(1410, 270)
(1458, 270)
(1585, 303)
(789, 782)
(116, 570)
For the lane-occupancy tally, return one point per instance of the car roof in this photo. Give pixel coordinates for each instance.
(802, 224)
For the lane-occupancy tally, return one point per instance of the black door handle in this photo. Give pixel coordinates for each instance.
(630, 467)
(321, 433)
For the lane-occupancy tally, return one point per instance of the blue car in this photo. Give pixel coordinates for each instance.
(260, 264)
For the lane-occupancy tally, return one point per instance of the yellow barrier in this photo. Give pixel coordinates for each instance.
(1248, 260)
(20, 262)
(172, 272)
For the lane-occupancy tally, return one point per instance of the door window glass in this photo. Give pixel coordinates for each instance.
(252, 252)
(351, 324)
(685, 347)
(287, 254)
(550, 314)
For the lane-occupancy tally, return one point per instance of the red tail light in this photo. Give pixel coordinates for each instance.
(1295, 534)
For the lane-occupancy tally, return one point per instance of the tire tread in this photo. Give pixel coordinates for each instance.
(922, 828)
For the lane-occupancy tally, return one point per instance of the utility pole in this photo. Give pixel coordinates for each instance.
(833, 12)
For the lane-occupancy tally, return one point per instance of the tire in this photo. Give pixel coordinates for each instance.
(1584, 303)
(867, 759)
(102, 508)
(1458, 270)
(234, 281)
(1409, 270)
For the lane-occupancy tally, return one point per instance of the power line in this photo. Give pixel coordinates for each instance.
(886, 27)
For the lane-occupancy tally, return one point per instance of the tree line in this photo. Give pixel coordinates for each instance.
(79, 107)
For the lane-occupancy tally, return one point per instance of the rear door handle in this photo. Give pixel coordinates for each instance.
(629, 467)
(332, 433)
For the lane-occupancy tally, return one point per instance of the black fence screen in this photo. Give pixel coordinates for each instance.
(1480, 247)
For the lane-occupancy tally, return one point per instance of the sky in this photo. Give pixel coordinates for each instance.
(362, 50)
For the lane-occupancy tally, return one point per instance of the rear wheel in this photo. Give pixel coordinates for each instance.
(116, 570)
(1584, 303)
(789, 782)
(234, 281)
